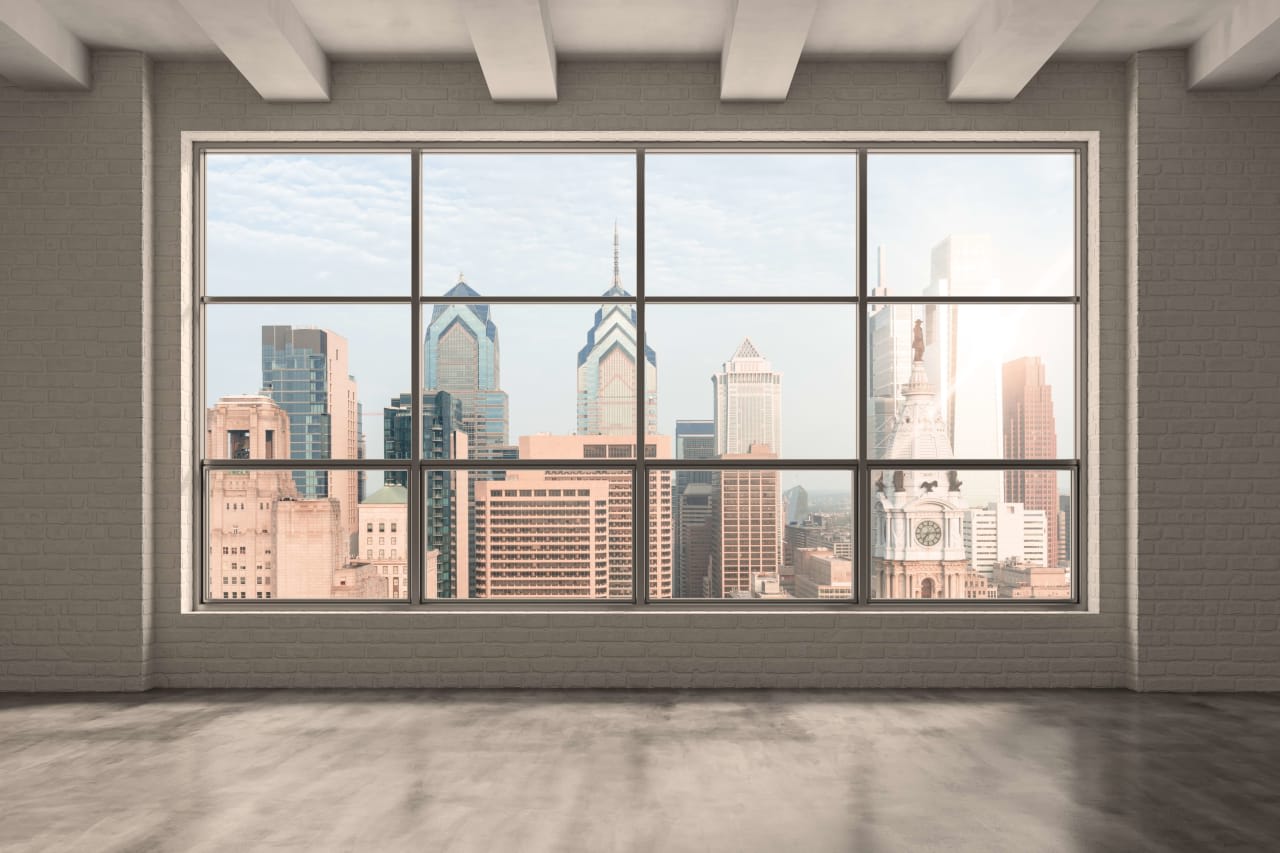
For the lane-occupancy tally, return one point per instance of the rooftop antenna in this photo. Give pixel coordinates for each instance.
(617, 276)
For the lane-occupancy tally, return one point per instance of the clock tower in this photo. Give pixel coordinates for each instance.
(917, 521)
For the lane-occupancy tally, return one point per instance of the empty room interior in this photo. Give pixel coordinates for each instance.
(566, 425)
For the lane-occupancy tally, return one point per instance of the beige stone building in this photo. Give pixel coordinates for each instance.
(747, 538)
(618, 541)
(821, 574)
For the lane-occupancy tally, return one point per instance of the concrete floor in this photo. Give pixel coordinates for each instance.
(664, 771)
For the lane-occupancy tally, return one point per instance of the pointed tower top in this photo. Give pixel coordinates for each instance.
(747, 350)
(617, 276)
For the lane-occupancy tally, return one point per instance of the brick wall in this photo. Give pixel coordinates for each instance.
(1207, 258)
(643, 649)
(1110, 647)
(75, 281)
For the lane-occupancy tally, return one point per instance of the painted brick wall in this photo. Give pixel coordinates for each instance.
(74, 277)
(78, 604)
(644, 649)
(1208, 381)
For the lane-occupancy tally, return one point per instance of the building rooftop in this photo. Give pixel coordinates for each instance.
(388, 495)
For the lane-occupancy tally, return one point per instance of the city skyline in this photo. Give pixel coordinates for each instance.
(534, 224)
(755, 372)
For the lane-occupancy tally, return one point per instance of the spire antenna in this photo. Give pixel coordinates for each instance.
(617, 276)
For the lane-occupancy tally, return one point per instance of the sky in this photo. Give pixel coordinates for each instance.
(543, 224)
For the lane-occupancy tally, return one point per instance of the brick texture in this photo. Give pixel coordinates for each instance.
(93, 540)
(75, 276)
(1208, 382)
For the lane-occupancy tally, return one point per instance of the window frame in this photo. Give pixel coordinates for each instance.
(1083, 145)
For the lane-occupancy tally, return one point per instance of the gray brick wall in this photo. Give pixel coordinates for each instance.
(1208, 382)
(1148, 579)
(645, 649)
(74, 270)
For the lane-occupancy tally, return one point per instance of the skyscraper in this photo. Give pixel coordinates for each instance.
(696, 440)
(889, 335)
(461, 356)
(961, 365)
(693, 440)
(748, 403)
(693, 539)
(264, 541)
(620, 547)
(746, 544)
(1030, 433)
(446, 519)
(607, 369)
(304, 370)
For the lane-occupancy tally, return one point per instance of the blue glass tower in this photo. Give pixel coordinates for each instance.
(302, 368)
(442, 505)
(607, 369)
(461, 356)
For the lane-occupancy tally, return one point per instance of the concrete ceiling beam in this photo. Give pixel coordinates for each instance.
(269, 43)
(762, 48)
(1007, 43)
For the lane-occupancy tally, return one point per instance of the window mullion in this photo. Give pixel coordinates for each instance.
(640, 492)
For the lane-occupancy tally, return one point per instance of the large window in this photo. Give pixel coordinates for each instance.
(846, 376)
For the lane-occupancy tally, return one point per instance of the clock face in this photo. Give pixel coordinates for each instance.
(928, 533)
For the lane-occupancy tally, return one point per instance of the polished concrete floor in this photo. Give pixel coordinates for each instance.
(664, 771)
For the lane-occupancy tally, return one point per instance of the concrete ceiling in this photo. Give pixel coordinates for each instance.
(992, 46)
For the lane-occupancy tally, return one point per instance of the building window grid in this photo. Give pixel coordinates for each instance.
(861, 468)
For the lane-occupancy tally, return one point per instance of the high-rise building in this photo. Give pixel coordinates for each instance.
(1000, 532)
(962, 366)
(265, 539)
(917, 540)
(748, 403)
(1030, 433)
(889, 338)
(607, 369)
(795, 504)
(620, 537)
(746, 543)
(693, 440)
(461, 356)
(304, 370)
(445, 515)
(693, 539)
(696, 440)
(541, 536)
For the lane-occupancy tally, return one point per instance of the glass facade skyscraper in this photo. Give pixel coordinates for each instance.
(693, 440)
(461, 356)
(304, 370)
(607, 369)
(445, 517)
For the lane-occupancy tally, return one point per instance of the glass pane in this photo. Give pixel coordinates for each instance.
(971, 534)
(287, 535)
(529, 224)
(971, 381)
(751, 224)
(781, 377)
(747, 533)
(561, 533)
(307, 224)
(506, 371)
(977, 224)
(322, 373)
